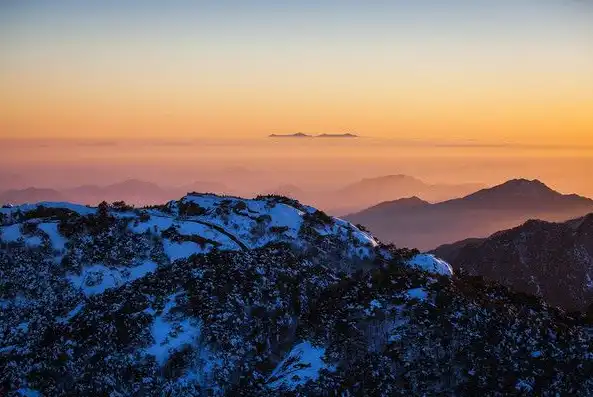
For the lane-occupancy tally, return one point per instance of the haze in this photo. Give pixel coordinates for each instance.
(446, 91)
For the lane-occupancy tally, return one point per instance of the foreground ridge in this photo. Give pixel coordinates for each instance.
(212, 295)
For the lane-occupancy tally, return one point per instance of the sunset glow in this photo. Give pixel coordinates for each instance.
(511, 70)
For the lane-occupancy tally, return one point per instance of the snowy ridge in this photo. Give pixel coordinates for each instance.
(257, 222)
(80, 255)
(23, 208)
(197, 224)
(222, 296)
(431, 264)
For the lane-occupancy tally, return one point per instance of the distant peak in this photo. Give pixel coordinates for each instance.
(346, 135)
(303, 135)
(525, 182)
(411, 200)
(297, 135)
(407, 202)
(517, 189)
(524, 185)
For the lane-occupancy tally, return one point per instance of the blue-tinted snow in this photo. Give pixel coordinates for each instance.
(71, 314)
(302, 364)
(78, 208)
(51, 229)
(170, 335)
(417, 293)
(24, 392)
(430, 263)
(98, 278)
(181, 250)
(12, 234)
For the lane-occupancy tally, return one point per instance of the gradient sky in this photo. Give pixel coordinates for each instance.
(488, 70)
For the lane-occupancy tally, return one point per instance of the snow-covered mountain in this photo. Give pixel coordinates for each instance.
(213, 295)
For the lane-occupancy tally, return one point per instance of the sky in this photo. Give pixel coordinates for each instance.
(489, 71)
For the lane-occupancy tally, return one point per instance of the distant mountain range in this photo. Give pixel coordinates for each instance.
(353, 197)
(30, 195)
(417, 223)
(370, 191)
(302, 135)
(550, 260)
(132, 191)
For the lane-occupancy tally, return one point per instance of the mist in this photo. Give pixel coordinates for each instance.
(253, 166)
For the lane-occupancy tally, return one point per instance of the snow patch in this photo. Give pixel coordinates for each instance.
(11, 234)
(159, 223)
(431, 264)
(58, 242)
(181, 250)
(524, 386)
(285, 215)
(71, 314)
(588, 282)
(245, 220)
(78, 208)
(170, 335)
(34, 241)
(417, 293)
(189, 228)
(374, 304)
(97, 279)
(25, 392)
(303, 363)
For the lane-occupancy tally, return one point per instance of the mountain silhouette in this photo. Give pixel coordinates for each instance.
(518, 193)
(132, 191)
(346, 135)
(476, 215)
(370, 191)
(30, 195)
(296, 135)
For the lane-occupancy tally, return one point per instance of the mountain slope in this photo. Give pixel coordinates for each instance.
(519, 194)
(30, 195)
(214, 295)
(354, 197)
(371, 191)
(550, 260)
(477, 215)
(132, 191)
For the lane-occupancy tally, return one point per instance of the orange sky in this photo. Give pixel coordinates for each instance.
(523, 72)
